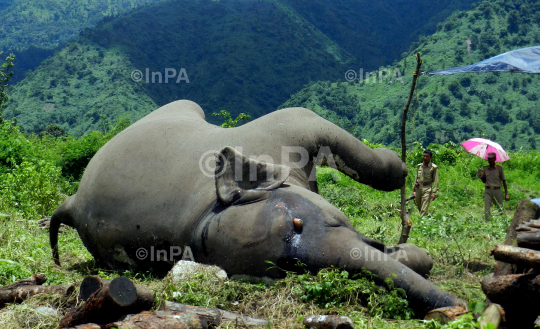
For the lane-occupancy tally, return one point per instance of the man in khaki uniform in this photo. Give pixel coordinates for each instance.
(426, 184)
(493, 178)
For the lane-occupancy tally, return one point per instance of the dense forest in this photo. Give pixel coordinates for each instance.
(239, 56)
(499, 106)
(34, 29)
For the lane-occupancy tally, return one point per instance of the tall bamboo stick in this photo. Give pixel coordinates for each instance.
(406, 223)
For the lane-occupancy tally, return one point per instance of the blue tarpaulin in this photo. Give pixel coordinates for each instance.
(524, 60)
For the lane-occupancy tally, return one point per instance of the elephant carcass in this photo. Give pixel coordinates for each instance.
(235, 197)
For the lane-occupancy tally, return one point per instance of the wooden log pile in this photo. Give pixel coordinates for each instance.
(515, 284)
(121, 304)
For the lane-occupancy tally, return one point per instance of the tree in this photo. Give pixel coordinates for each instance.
(229, 122)
(5, 75)
(513, 21)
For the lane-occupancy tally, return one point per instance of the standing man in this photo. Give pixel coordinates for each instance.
(493, 178)
(426, 184)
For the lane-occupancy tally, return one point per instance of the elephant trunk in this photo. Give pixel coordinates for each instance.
(354, 255)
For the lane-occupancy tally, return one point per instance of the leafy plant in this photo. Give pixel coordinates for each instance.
(11, 271)
(5, 76)
(334, 288)
(33, 189)
(229, 122)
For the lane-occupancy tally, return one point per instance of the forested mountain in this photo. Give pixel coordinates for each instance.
(33, 29)
(239, 56)
(500, 106)
(49, 23)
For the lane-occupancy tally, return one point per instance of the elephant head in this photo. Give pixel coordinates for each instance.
(265, 219)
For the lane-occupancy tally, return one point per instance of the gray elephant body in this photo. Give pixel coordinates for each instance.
(149, 187)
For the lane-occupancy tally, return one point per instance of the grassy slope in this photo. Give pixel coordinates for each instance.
(498, 106)
(454, 234)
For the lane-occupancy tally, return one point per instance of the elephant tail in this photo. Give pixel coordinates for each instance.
(60, 216)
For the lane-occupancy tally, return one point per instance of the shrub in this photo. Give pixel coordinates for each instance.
(334, 288)
(14, 147)
(32, 189)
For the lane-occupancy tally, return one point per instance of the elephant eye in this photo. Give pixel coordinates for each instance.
(332, 222)
(298, 223)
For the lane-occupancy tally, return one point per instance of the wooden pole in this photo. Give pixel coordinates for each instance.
(406, 223)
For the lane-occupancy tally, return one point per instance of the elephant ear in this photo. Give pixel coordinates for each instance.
(240, 179)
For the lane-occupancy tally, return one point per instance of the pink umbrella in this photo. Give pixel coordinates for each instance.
(481, 147)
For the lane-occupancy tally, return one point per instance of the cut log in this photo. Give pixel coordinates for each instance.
(328, 322)
(23, 289)
(160, 320)
(109, 303)
(493, 314)
(145, 296)
(525, 211)
(527, 258)
(532, 225)
(445, 314)
(514, 289)
(213, 316)
(518, 294)
(90, 285)
(530, 240)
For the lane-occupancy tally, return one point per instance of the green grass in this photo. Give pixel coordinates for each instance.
(454, 234)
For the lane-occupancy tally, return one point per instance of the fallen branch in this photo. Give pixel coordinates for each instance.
(23, 289)
(159, 320)
(527, 258)
(213, 316)
(36, 279)
(328, 322)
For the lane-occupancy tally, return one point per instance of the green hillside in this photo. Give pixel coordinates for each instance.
(49, 23)
(239, 56)
(376, 32)
(76, 88)
(33, 29)
(500, 106)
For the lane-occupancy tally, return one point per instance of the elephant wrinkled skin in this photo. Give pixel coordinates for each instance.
(237, 197)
